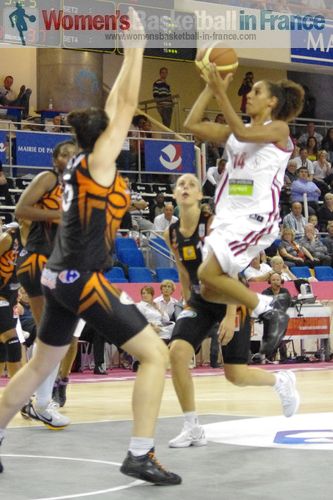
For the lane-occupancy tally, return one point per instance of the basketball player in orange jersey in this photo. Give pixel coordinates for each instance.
(95, 199)
(247, 198)
(40, 204)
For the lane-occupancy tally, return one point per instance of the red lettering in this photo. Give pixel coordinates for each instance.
(82, 21)
(98, 22)
(52, 18)
(67, 22)
(125, 23)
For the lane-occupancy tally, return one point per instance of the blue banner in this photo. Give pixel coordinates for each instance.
(313, 47)
(3, 146)
(169, 156)
(35, 149)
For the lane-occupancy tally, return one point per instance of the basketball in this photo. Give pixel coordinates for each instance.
(32, 18)
(225, 58)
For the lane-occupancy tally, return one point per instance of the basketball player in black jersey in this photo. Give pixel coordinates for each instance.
(95, 199)
(186, 239)
(40, 205)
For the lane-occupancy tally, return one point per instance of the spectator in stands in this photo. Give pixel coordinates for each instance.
(163, 98)
(322, 167)
(310, 132)
(159, 320)
(158, 207)
(214, 175)
(313, 219)
(219, 118)
(315, 246)
(278, 266)
(163, 221)
(295, 219)
(257, 271)
(9, 98)
(290, 173)
(5, 197)
(303, 161)
(245, 88)
(26, 318)
(304, 186)
(312, 147)
(325, 213)
(293, 253)
(327, 144)
(328, 240)
(137, 209)
(165, 302)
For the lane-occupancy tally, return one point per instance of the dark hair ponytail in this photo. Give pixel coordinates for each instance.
(88, 125)
(290, 99)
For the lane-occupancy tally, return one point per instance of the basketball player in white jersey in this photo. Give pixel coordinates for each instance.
(247, 198)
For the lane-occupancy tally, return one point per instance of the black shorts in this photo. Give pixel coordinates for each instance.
(7, 303)
(29, 271)
(70, 294)
(194, 323)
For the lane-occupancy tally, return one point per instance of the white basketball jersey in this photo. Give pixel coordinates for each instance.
(252, 181)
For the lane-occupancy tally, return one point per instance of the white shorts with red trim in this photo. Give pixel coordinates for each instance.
(236, 243)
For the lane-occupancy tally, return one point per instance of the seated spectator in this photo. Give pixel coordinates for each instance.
(313, 219)
(163, 221)
(9, 98)
(304, 186)
(292, 253)
(310, 132)
(5, 197)
(312, 148)
(290, 173)
(137, 209)
(257, 271)
(278, 266)
(295, 219)
(314, 245)
(328, 240)
(325, 213)
(159, 320)
(26, 318)
(56, 126)
(158, 206)
(303, 161)
(166, 303)
(214, 175)
(327, 144)
(322, 172)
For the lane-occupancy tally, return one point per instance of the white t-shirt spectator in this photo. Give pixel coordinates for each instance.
(161, 223)
(213, 175)
(306, 163)
(251, 272)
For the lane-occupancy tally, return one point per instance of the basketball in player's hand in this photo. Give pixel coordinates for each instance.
(225, 58)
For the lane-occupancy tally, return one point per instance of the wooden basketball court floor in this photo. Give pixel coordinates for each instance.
(253, 452)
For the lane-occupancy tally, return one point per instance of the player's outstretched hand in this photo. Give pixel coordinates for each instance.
(214, 80)
(135, 36)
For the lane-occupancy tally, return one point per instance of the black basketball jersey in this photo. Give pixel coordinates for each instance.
(91, 217)
(42, 233)
(8, 279)
(190, 249)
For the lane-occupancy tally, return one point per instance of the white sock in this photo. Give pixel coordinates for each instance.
(2, 435)
(191, 418)
(43, 394)
(263, 305)
(278, 380)
(140, 445)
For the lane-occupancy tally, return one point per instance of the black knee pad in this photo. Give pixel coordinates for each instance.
(13, 348)
(3, 353)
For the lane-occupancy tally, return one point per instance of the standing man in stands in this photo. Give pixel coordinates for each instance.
(162, 96)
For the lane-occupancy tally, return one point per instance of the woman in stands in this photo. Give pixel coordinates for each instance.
(186, 238)
(9, 246)
(247, 198)
(95, 199)
(40, 204)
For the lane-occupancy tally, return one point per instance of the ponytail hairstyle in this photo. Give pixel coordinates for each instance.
(290, 99)
(88, 125)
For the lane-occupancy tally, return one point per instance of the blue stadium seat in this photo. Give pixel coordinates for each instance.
(133, 258)
(140, 275)
(167, 273)
(323, 273)
(116, 275)
(125, 243)
(301, 272)
(160, 252)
